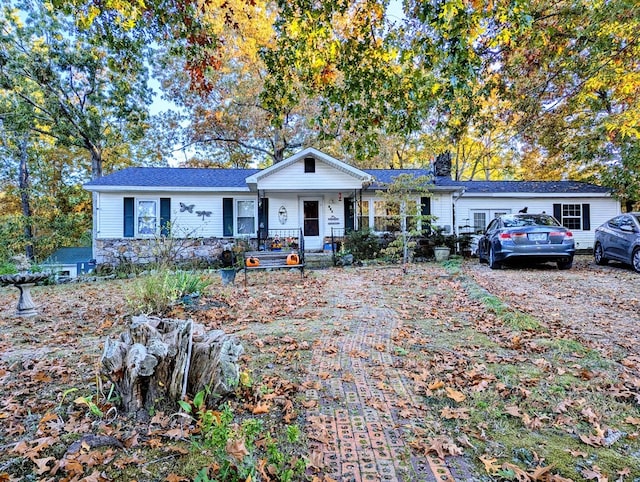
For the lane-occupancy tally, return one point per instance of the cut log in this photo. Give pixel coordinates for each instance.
(158, 361)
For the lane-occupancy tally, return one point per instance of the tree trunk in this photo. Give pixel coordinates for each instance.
(159, 361)
(96, 161)
(25, 201)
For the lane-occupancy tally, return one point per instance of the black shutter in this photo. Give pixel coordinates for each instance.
(425, 203)
(128, 217)
(263, 218)
(586, 217)
(165, 216)
(557, 212)
(349, 214)
(227, 216)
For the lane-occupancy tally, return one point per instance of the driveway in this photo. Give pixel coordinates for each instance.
(600, 305)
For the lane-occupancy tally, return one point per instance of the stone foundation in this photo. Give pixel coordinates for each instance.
(171, 250)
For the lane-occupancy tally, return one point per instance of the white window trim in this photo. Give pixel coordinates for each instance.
(156, 229)
(236, 212)
(578, 217)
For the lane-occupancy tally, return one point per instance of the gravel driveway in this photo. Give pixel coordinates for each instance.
(599, 305)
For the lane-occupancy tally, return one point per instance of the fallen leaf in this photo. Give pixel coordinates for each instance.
(260, 408)
(435, 385)
(455, 395)
(490, 464)
(237, 449)
(42, 465)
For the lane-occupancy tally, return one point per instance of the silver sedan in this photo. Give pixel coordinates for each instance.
(531, 237)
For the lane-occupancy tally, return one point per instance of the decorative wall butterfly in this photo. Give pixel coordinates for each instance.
(184, 207)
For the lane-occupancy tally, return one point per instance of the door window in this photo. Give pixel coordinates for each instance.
(311, 218)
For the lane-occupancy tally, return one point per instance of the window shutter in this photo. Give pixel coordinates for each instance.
(165, 216)
(557, 212)
(128, 217)
(425, 206)
(586, 217)
(263, 218)
(227, 216)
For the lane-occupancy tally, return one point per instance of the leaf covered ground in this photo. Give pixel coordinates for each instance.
(352, 374)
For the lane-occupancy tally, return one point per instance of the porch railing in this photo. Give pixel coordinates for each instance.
(282, 240)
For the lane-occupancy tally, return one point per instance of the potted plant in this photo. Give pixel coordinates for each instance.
(441, 249)
(228, 267)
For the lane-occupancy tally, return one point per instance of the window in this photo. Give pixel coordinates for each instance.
(246, 220)
(479, 222)
(363, 214)
(386, 217)
(309, 164)
(147, 217)
(571, 216)
(481, 217)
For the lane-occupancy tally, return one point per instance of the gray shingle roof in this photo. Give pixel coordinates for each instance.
(386, 176)
(235, 178)
(539, 187)
(176, 177)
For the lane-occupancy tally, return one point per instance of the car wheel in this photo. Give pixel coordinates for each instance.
(565, 264)
(493, 264)
(635, 259)
(598, 255)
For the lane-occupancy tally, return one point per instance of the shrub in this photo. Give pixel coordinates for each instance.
(362, 244)
(157, 292)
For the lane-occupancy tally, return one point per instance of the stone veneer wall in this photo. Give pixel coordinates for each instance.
(141, 251)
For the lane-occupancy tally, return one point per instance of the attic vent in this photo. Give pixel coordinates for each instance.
(309, 164)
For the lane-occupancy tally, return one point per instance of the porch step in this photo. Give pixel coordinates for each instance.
(318, 260)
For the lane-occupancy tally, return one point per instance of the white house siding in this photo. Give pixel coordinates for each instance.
(290, 202)
(183, 223)
(442, 209)
(601, 209)
(293, 177)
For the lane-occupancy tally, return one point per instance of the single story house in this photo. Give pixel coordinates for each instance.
(70, 262)
(308, 196)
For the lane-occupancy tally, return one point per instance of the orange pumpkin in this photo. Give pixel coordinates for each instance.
(293, 258)
(252, 262)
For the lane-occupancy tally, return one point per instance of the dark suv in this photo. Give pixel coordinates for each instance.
(619, 239)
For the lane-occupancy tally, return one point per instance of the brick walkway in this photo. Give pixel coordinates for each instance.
(357, 427)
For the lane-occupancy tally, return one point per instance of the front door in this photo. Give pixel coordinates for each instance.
(311, 225)
(349, 214)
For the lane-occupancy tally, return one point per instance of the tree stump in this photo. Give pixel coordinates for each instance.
(159, 361)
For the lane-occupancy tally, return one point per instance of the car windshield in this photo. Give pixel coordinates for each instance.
(522, 220)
